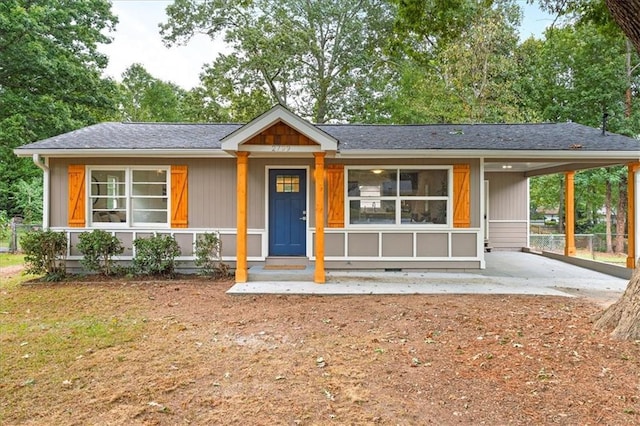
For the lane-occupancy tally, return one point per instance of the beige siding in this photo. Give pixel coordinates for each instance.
(397, 245)
(126, 238)
(508, 196)
(508, 235)
(212, 193)
(365, 245)
(59, 192)
(212, 205)
(212, 188)
(185, 242)
(463, 245)
(508, 210)
(451, 266)
(415, 245)
(432, 245)
(333, 245)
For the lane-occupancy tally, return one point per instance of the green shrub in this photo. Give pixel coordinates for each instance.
(98, 248)
(208, 253)
(45, 253)
(155, 255)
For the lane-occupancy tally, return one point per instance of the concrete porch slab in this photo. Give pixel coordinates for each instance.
(506, 273)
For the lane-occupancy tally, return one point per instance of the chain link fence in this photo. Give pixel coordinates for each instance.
(593, 246)
(10, 240)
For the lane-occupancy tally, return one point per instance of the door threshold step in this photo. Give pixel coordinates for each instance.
(262, 273)
(286, 261)
(283, 267)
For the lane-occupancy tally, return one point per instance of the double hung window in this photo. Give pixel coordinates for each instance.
(132, 196)
(399, 196)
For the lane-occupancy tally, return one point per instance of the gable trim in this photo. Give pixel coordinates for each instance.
(233, 141)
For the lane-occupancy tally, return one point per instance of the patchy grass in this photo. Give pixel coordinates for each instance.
(45, 329)
(8, 259)
(616, 259)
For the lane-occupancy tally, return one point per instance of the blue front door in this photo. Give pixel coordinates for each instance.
(287, 212)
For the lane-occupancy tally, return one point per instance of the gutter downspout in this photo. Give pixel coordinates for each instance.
(44, 165)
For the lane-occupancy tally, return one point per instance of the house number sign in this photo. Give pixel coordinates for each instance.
(280, 148)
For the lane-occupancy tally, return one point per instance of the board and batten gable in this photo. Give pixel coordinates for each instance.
(508, 210)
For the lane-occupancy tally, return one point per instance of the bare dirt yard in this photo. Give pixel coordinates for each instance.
(183, 352)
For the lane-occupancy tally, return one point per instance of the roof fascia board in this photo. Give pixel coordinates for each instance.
(492, 154)
(232, 141)
(568, 167)
(612, 156)
(88, 153)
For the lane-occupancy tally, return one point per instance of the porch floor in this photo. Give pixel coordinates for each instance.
(506, 273)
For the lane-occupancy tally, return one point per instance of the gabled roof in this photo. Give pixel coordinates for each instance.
(275, 115)
(208, 139)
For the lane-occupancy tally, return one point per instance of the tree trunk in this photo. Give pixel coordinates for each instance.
(621, 216)
(607, 216)
(623, 317)
(628, 95)
(625, 13)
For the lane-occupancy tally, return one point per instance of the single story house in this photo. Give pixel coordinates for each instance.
(338, 196)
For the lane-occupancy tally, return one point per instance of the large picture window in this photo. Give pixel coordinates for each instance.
(399, 196)
(129, 196)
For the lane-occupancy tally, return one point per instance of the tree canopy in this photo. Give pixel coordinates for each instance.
(320, 57)
(50, 77)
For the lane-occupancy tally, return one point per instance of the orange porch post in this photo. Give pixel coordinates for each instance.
(569, 211)
(632, 168)
(241, 215)
(319, 275)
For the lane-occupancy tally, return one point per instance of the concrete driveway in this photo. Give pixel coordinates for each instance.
(506, 273)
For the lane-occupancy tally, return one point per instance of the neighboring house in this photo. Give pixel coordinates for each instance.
(341, 196)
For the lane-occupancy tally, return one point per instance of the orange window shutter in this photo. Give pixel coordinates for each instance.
(77, 196)
(179, 194)
(461, 196)
(335, 196)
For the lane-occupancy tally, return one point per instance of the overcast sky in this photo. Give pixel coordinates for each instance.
(137, 39)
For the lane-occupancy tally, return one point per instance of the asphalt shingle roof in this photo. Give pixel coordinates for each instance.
(546, 136)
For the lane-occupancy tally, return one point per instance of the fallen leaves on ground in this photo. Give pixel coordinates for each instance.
(184, 352)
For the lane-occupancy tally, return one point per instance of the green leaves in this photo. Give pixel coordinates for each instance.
(579, 74)
(98, 248)
(45, 253)
(321, 59)
(50, 79)
(155, 255)
(148, 99)
(208, 252)
(468, 75)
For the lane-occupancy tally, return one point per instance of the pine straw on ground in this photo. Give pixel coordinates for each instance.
(184, 352)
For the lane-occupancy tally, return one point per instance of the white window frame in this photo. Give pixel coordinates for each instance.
(398, 198)
(127, 197)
